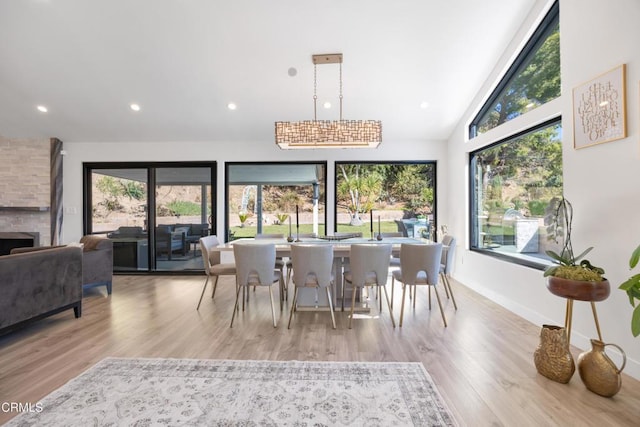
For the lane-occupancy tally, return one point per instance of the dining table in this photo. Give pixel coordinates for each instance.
(308, 298)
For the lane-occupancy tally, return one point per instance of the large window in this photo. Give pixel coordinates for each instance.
(155, 213)
(512, 184)
(402, 196)
(532, 80)
(275, 198)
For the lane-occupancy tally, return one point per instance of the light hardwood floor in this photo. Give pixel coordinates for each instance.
(482, 362)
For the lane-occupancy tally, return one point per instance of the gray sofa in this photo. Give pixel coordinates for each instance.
(97, 262)
(39, 282)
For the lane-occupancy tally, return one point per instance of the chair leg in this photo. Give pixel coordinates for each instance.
(204, 288)
(415, 297)
(273, 309)
(440, 305)
(404, 291)
(447, 284)
(333, 317)
(446, 291)
(293, 305)
(344, 285)
(429, 288)
(235, 306)
(353, 304)
(392, 286)
(109, 286)
(393, 322)
(215, 285)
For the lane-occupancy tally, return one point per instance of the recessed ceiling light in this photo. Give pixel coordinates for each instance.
(232, 106)
(292, 72)
(134, 107)
(327, 105)
(424, 105)
(42, 108)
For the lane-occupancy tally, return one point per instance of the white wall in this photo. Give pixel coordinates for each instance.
(77, 153)
(602, 182)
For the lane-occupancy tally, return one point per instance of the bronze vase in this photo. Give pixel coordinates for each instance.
(552, 357)
(598, 373)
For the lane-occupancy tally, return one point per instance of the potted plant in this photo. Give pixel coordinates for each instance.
(571, 276)
(632, 288)
(242, 216)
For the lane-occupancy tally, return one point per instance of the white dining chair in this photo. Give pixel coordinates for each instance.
(255, 267)
(212, 264)
(419, 265)
(312, 266)
(279, 264)
(446, 265)
(289, 264)
(369, 266)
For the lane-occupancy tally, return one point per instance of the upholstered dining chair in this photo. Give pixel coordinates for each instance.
(369, 267)
(446, 265)
(255, 267)
(312, 266)
(419, 265)
(284, 294)
(289, 264)
(212, 264)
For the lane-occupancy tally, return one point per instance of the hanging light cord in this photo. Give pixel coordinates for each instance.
(340, 90)
(315, 89)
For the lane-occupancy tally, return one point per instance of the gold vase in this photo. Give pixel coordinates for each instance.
(598, 373)
(552, 357)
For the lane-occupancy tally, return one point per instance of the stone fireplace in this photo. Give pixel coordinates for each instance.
(12, 240)
(31, 190)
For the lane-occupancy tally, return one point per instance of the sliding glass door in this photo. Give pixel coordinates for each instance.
(155, 213)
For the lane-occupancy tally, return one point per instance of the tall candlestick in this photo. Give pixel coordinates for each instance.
(289, 225)
(371, 220)
(378, 224)
(297, 223)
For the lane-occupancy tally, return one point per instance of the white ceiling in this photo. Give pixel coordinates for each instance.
(183, 61)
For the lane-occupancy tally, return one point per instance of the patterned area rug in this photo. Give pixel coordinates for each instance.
(185, 392)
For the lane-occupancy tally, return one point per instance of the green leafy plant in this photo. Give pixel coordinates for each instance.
(183, 207)
(282, 217)
(243, 217)
(632, 288)
(558, 218)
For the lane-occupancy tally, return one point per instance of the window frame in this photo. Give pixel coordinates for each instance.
(534, 42)
(542, 264)
(386, 162)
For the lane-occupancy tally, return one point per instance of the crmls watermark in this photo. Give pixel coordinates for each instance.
(20, 407)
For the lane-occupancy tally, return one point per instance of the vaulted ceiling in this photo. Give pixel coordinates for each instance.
(184, 61)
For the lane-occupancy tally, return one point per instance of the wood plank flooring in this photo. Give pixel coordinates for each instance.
(482, 362)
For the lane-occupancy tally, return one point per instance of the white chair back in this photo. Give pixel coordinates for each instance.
(448, 255)
(209, 257)
(313, 261)
(415, 258)
(367, 258)
(254, 263)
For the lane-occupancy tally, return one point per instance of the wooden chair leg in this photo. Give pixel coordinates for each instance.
(215, 285)
(273, 309)
(353, 304)
(202, 294)
(293, 305)
(393, 322)
(447, 285)
(404, 290)
(235, 306)
(392, 283)
(440, 305)
(333, 317)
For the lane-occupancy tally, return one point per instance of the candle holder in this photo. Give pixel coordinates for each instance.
(379, 237)
(298, 234)
(289, 238)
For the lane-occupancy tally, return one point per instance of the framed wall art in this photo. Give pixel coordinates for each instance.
(599, 111)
